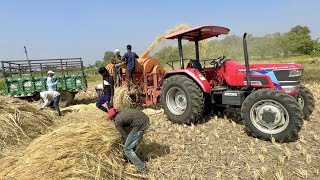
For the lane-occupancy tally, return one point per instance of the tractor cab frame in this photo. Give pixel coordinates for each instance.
(195, 35)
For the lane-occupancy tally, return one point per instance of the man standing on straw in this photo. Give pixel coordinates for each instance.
(51, 84)
(138, 122)
(117, 62)
(108, 90)
(129, 58)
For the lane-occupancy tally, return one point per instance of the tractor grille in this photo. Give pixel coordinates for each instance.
(283, 76)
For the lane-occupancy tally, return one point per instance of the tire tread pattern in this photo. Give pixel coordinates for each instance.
(309, 101)
(291, 105)
(196, 99)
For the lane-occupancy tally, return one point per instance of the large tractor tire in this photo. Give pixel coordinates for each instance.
(270, 113)
(306, 101)
(182, 100)
(66, 98)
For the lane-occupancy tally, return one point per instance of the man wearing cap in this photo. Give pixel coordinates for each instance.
(50, 97)
(129, 58)
(137, 122)
(117, 62)
(51, 84)
(116, 58)
(108, 90)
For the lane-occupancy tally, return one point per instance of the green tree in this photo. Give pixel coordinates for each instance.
(106, 60)
(107, 56)
(167, 54)
(298, 40)
(316, 50)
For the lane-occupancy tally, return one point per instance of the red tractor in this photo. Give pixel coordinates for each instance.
(271, 99)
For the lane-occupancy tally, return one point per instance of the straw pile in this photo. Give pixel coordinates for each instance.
(122, 99)
(74, 151)
(21, 122)
(87, 96)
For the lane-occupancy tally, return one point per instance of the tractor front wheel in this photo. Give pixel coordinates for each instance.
(306, 101)
(270, 113)
(182, 100)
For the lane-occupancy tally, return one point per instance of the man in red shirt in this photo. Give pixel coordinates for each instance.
(138, 122)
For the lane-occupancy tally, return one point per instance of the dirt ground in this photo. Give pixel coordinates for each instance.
(217, 149)
(222, 149)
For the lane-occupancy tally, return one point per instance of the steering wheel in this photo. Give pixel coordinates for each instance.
(220, 60)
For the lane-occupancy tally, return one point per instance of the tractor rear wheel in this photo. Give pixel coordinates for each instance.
(306, 101)
(270, 113)
(182, 100)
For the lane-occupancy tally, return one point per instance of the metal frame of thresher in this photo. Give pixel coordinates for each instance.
(150, 91)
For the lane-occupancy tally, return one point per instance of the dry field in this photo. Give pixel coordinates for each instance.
(83, 144)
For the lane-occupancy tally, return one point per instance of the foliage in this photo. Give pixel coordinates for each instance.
(1, 83)
(106, 60)
(107, 56)
(316, 50)
(295, 42)
(298, 40)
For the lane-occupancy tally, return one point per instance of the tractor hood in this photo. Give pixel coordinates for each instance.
(284, 76)
(281, 72)
(270, 66)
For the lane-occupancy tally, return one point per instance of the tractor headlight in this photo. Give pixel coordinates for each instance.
(295, 73)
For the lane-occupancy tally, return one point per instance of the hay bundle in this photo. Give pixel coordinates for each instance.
(76, 151)
(151, 112)
(122, 99)
(21, 121)
(88, 96)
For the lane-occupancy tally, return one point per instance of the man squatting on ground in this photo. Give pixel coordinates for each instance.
(50, 98)
(138, 122)
(129, 58)
(108, 90)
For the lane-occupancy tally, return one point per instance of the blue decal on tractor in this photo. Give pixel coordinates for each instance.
(271, 75)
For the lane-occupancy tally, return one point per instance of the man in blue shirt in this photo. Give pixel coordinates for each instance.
(51, 84)
(129, 58)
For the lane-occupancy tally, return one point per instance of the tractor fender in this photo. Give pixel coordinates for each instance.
(193, 74)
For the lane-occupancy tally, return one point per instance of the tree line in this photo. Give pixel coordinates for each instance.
(297, 41)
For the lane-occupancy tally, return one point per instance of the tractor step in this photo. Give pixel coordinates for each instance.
(218, 88)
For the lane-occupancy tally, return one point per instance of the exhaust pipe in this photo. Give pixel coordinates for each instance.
(246, 60)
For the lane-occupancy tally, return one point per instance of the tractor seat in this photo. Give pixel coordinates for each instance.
(195, 64)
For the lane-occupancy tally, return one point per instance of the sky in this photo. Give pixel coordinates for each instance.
(88, 28)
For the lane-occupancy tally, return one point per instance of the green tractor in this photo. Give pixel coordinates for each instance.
(25, 78)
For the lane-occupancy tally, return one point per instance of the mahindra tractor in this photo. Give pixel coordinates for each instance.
(270, 97)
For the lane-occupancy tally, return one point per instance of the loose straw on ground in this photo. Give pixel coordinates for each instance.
(77, 150)
(21, 121)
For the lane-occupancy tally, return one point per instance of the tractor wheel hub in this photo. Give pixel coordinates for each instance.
(269, 116)
(176, 100)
